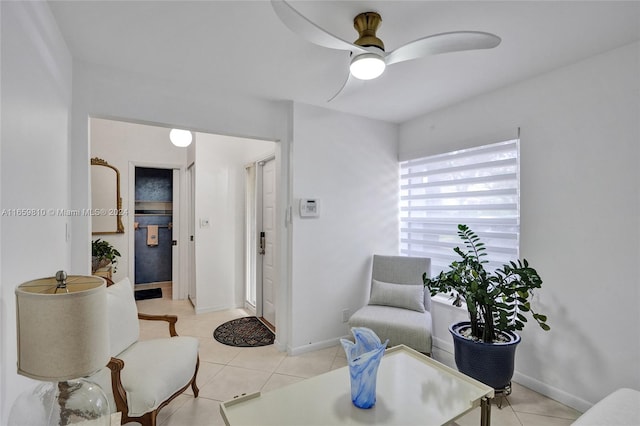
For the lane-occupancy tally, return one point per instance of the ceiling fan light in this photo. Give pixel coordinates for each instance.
(180, 138)
(367, 66)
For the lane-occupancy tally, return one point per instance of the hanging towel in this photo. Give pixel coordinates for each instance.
(152, 235)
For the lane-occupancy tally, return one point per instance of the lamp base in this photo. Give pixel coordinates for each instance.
(73, 402)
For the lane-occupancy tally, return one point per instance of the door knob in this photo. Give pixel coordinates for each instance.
(262, 243)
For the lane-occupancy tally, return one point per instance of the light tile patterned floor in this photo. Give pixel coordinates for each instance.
(227, 371)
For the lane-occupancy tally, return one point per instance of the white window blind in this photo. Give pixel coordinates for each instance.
(478, 187)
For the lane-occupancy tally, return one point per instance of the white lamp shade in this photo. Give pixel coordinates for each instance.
(180, 138)
(62, 335)
(367, 66)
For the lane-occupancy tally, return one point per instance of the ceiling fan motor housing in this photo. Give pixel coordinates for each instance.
(367, 24)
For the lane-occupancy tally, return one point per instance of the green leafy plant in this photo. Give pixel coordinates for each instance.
(103, 251)
(496, 301)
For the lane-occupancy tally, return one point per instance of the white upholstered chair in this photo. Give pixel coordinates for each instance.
(144, 375)
(621, 407)
(399, 308)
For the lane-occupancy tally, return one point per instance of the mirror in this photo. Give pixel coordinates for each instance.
(106, 203)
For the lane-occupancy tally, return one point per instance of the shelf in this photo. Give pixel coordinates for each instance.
(153, 208)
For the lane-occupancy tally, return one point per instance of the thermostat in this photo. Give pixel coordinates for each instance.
(309, 207)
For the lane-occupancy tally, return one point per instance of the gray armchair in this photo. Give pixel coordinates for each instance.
(399, 309)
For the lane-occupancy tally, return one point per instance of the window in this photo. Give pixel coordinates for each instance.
(478, 187)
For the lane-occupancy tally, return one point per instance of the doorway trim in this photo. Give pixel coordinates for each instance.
(178, 286)
(190, 251)
(250, 242)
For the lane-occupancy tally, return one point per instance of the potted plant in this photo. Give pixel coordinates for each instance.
(103, 253)
(496, 301)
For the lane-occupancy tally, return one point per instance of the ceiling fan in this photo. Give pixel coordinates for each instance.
(368, 56)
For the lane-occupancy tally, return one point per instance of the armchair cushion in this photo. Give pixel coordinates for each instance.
(175, 357)
(400, 326)
(124, 328)
(397, 295)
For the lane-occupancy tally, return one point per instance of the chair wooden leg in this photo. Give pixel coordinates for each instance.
(149, 419)
(194, 387)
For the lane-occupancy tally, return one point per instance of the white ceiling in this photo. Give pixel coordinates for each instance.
(241, 47)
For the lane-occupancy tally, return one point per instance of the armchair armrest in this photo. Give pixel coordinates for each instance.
(119, 394)
(171, 319)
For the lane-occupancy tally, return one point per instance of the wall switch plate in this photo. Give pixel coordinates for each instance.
(345, 315)
(204, 222)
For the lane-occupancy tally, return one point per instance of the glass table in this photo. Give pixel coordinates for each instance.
(412, 389)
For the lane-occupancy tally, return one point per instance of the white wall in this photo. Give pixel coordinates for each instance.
(36, 100)
(124, 145)
(579, 214)
(351, 164)
(107, 93)
(220, 199)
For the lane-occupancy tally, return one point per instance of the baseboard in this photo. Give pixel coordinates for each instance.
(279, 345)
(298, 350)
(442, 344)
(552, 392)
(208, 309)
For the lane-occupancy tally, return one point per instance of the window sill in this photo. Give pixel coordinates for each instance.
(447, 301)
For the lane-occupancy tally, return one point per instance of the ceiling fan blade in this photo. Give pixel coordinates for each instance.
(443, 43)
(346, 83)
(302, 26)
(350, 85)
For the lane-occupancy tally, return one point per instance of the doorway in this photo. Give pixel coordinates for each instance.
(154, 260)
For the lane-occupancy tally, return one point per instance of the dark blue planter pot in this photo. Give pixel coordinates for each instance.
(490, 363)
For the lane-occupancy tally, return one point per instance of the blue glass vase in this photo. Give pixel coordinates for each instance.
(363, 358)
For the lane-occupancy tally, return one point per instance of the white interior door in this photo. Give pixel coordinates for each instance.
(267, 239)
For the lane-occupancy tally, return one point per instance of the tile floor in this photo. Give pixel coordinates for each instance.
(228, 371)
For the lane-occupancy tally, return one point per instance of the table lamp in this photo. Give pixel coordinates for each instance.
(62, 337)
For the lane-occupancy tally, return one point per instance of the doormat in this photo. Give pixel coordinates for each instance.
(246, 332)
(151, 293)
